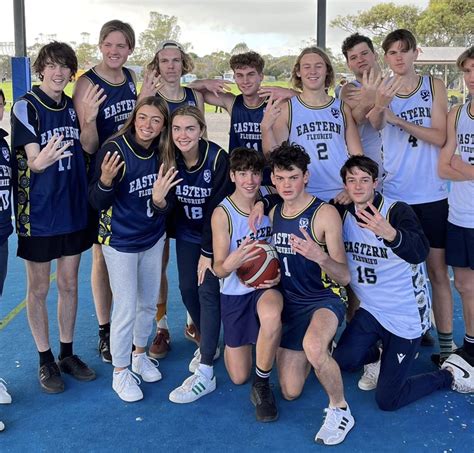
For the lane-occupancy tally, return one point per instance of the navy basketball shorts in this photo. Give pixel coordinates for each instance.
(460, 246)
(433, 218)
(297, 317)
(45, 249)
(240, 318)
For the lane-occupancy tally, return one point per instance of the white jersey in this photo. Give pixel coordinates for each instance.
(238, 231)
(461, 196)
(371, 140)
(411, 165)
(321, 131)
(390, 289)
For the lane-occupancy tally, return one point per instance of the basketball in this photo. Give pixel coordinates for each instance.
(263, 267)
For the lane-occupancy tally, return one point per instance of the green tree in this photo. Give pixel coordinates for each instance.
(160, 27)
(86, 55)
(241, 47)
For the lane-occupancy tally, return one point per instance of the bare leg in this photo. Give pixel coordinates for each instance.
(464, 282)
(101, 291)
(238, 362)
(320, 333)
(67, 273)
(38, 287)
(293, 369)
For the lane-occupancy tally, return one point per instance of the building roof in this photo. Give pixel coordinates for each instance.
(439, 55)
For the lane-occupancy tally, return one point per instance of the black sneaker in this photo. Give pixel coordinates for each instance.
(463, 353)
(427, 339)
(104, 349)
(50, 378)
(74, 366)
(437, 360)
(264, 402)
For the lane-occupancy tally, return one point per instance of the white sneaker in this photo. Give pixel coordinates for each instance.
(146, 367)
(337, 423)
(369, 379)
(2, 426)
(5, 397)
(193, 388)
(463, 373)
(196, 360)
(125, 383)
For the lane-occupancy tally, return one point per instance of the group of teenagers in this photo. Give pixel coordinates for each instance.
(358, 230)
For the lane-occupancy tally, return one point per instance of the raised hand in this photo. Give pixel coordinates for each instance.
(256, 216)
(370, 84)
(386, 91)
(151, 84)
(376, 223)
(272, 112)
(52, 152)
(307, 247)
(93, 97)
(276, 92)
(110, 167)
(163, 184)
(217, 86)
(342, 198)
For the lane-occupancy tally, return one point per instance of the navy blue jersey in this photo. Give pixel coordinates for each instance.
(245, 129)
(118, 105)
(189, 98)
(303, 281)
(55, 201)
(131, 224)
(6, 226)
(195, 191)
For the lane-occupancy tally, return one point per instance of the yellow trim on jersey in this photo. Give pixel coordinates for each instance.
(152, 153)
(105, 226)
(344, 120)
(177, 101)
(229, 218)
(290, 115)
(236, 208)
(432, 86)
(217, 158)
(290, 217)
(203, 160)
(252, 107)
(404, 96)
(389, 210)
(468, 110)
(47, 107)
(314, 107)
(106, 81)
(313, 219)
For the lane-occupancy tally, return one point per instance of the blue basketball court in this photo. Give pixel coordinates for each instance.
(90, 417)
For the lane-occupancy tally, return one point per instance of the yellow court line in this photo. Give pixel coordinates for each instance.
(7, 319)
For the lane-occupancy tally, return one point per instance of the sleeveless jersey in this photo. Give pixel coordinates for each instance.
(194, 192)
(245, 125)
(118, 105)
(371, 140)
(189, 98)
(461, 196)
(239, 230)
(393, 291)
(303, 281)
(131, 224)
(55, 201)
(321, 131)
(6, 226)
(411, 165)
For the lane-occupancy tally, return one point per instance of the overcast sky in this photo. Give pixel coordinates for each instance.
(276, 27)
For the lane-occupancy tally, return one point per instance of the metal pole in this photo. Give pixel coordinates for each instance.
(20, 27)
(321, 24)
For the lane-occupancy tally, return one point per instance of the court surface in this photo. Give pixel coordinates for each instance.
(90, 416)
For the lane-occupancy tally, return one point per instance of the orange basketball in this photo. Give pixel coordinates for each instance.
(263, 267)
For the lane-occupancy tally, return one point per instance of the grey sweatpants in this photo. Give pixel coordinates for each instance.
(135, 283)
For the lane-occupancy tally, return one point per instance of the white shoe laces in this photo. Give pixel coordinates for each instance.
(147, 363)
(127, 378)
(372, 371)
(332, 419)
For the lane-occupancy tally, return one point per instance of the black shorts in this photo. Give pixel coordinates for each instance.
(45, 249)
(460, 246)
(433, 218)
(297, 317)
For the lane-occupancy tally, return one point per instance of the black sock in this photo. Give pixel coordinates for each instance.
(65, 350)
(46, 357)
(261, 375)
(468, 345)
(104, 330)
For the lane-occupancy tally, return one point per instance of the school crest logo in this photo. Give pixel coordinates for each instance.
(5, 153)
(425, 95)
(207, 176)
(335, 113)
(72, 114)
(132, 87)
(304, 223)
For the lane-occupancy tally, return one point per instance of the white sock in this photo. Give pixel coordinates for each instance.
(206, 370)
(163, 323)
